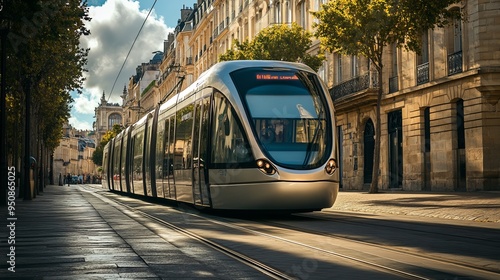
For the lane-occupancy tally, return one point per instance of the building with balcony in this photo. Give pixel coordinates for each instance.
(440, 113)
(141, 95)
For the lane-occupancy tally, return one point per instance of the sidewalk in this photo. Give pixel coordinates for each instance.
(470, 206)
(70, 233)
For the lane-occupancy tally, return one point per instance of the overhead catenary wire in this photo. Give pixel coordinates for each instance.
(130, 50)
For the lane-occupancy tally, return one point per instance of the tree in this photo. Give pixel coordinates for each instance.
(45, 63)
(365, 27)
(240, 51)
(97, 156)
(277, 42)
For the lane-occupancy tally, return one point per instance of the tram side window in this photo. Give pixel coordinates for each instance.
(160, 155)
(137, 155)
(229, 141)
(123, 159)
(183, 138)
(105, 162)
(169, 148)
(116, 161)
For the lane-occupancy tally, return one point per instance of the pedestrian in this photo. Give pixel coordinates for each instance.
(60, 179)
(68, 178)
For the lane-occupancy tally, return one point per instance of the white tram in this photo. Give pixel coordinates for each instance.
(247, 135)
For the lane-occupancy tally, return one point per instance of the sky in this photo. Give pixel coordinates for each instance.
(113, 28)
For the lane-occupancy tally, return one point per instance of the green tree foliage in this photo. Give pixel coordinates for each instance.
(110, 134)
(240, 51)
(277, 42)
(45, 61)
(365, 27)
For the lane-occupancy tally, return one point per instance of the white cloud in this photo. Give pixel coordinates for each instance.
(83, 103)
(113, 28)
(80, 124)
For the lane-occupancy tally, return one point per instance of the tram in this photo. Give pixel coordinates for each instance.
(247, 135)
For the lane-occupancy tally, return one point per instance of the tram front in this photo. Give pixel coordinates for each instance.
(291, 120)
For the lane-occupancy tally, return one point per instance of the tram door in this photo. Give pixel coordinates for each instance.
(169, 161)
(200, 147)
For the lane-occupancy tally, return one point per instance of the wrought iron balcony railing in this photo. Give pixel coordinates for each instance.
(455, 63)
(215, 33)
(423, 73)
(354, 85)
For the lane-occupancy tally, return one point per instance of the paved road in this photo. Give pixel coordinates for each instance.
(69, 233)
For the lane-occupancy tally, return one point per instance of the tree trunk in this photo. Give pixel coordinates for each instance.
(51, 165)
(376, 152)
(27, 135)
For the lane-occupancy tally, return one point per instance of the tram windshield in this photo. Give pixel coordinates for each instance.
(288, 113)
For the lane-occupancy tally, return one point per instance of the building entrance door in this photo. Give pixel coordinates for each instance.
(368, 149)
(460, 151)
(395, 130)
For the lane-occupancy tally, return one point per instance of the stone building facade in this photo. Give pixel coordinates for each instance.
(142, 93)
(106, 115)
(74, 153)
(440, 110)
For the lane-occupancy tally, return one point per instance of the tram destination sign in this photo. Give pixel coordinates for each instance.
(280, 76)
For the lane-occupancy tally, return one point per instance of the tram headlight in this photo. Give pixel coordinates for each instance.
(266, 167)
(331, 166)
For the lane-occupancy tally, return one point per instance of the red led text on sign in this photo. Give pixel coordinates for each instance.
(275, 77)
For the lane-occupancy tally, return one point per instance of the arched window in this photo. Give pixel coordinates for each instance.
(113, 119)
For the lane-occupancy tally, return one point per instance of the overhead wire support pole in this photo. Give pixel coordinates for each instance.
(179, 83)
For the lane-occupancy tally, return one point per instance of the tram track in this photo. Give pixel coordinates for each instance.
(340, 255)
(495, 273)
(264, 269)
(337, 249)
(395, 249)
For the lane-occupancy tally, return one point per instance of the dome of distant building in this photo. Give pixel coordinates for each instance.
(157, 57)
